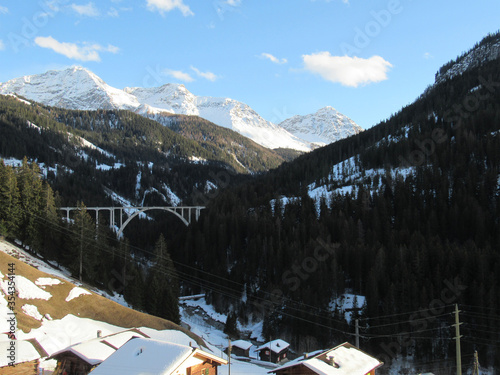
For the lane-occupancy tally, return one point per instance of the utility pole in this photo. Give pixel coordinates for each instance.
(229, 356)
(475, 371)
(357, 333)
(81, 251)
(457, 338)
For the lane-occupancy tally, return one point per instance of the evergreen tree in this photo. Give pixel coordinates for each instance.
(30, 191)
(81, 254)
(231, 326)
(163, 285)
(9, 202)
(50, 235)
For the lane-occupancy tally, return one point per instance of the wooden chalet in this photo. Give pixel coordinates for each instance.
(273, 351)
(240, 348)
(345, 359)
(81, 358)
(148, 356)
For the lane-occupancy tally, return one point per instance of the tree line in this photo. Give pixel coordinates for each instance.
(398, 239)
(29, 214)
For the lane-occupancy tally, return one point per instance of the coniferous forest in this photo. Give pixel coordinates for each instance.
(415, 238)
(408, 219)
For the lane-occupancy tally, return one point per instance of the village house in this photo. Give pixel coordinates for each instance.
(345, 359)
(148, 356)
(240, 348)
(81, 358)
(273, 351)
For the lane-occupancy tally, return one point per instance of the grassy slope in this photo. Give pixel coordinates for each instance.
(92, 306)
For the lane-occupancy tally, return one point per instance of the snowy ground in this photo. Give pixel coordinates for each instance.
(204, 321)
(58, 334)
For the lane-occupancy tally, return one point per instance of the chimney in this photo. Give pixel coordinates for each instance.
(306, 355)
(99, 333)
(331, 361)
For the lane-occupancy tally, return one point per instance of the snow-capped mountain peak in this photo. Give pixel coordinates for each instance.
(325, 126)
(78, 88)
(72, 88)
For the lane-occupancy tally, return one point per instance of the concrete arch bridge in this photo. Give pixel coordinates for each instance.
(117, 214)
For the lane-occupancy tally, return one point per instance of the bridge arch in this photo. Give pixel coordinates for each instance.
(184, 213)
(144, 209)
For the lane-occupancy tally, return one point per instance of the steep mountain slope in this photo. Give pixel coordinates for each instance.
(405, 214)
(487, 50)
(325, 126)
(79, 88)
(126, 155)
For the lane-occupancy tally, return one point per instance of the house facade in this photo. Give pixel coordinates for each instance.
(240, 348)
(345, 359)
(141, 355)
(81, 358)
(273, 351)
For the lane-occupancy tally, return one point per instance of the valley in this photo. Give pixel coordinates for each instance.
(314, 231)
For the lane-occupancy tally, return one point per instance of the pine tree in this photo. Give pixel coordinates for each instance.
(30, 190)
(163, 285)
(9, 202)
(231, 326)
(50, 237)
(81, 254)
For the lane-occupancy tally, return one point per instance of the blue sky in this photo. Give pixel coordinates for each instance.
(282, 57)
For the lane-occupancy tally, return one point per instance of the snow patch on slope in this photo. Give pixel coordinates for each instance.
(76, 292)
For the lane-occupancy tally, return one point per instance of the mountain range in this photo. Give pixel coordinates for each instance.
(78, 88)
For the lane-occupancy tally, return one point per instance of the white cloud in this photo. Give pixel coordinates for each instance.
(4, 10)
(233, 3)
(180, 75)
(428, 55)
(273, 58)
(88, 10)
(113, 12)
(2, 45)
(163, 6)
(327, 1)
(207, 75)
(348, 71)
(85, 52)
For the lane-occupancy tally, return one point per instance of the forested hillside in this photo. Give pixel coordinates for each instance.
(405, 214)
(29, 214)
(88, 154)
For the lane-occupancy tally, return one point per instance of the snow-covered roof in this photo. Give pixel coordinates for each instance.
(242, 344)
(24, 351)
(348, 360)
(150, 357)
(276, 346)
(99, 349)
